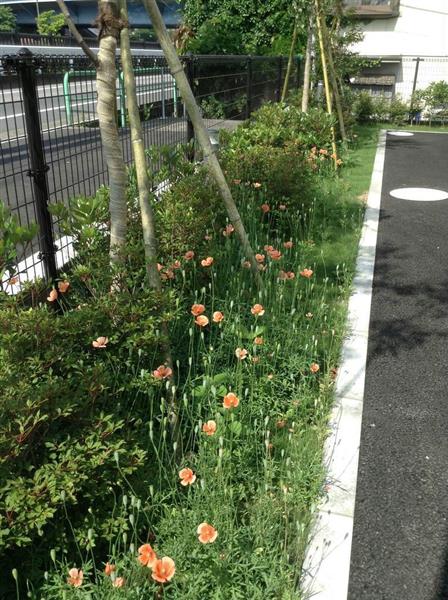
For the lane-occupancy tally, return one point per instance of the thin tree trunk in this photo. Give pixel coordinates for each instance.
(110, 25)
(295, 35)
(326, 82)
(144, 195)
(307, 69)
(201, 132)
(334, 82)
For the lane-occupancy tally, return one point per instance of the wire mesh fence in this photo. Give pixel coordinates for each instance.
(50, 140)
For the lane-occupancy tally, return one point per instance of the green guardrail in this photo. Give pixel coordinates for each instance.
(152, 86)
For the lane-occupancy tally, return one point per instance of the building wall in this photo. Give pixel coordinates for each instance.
(421, 30)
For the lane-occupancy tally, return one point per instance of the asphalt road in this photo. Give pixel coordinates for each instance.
(79, 96)
(76, 162)
(400, 539)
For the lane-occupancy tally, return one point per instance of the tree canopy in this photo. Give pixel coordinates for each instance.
(241, 26)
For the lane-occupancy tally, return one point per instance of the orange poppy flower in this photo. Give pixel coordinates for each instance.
(257, 310)
(100, 342)
(259, 258)
(246, 264)
(169, 274)
(265, 208)
(159, 267)
(207, 533)
(275, 254)
(63, 286)
(176, 264)
(268, 248)
(257, 185)
(323, 151)
(207, 262)
(258, 341)
(163, 569)
(118, 582)
(75, 577)
(53, 295)
(201, 321)
(307, 273)
(146, 555)
(289, 244)
(187, 476)
(217, 316)
(339, 162)
(309, 315)
(228, 230)
(109, 569)
(230, 400)
(209, 428)
(162, 372)
(197, 309)
(282, 207)
(13, 280)
(208, 237)
(189, 255)
(314, 368)
(241, 353)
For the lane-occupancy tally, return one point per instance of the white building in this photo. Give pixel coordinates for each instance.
(398, 32)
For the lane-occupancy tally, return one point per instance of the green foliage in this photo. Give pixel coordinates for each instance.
(363, 107)
(279, 124)
(8, 19)
(87, 464)
(12, 237)
(436, 95)
(239, 26)
(398, 111)
(49, 22)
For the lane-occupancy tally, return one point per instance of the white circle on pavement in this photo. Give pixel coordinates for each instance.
(419, 194)
(401, 133)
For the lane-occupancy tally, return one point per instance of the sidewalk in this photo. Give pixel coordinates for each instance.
(382, 531)
(400, 534)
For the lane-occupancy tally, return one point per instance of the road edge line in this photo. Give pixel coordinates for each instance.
(326, 568)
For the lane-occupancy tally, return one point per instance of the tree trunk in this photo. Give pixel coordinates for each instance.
(201, 132)
(109, 23)
(323, 58)
(334, 82)
(307, 70)
(144, 195)
(295, 35)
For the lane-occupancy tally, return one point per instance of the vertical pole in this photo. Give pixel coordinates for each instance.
(249, 86)
(417, 66)
(122, 98)
(279, 78)
(323, 59)
(67, 98)
(38, 170)
(162, 74)
(190, 76)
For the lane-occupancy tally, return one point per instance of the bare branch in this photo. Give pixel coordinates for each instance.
(74, 31)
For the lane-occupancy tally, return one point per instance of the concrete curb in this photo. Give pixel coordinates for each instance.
(327, 562)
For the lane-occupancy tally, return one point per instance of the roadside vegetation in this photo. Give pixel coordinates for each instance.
(96, 480)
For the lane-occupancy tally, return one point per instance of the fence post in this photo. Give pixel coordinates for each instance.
(38, 171)
(249, 87)
(190, 76)
(280, 78)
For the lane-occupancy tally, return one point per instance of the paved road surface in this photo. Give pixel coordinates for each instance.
(400, 541)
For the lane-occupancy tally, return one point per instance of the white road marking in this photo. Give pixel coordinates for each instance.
(419, 194)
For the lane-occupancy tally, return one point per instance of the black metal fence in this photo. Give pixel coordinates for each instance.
(50, 141)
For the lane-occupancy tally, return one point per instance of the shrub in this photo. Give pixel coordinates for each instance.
(278, 124)
(398, 111)
(49, 22)
(8, 19)
(363, 107)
